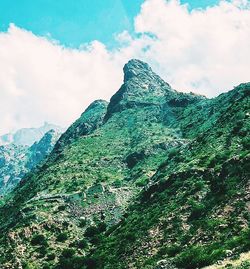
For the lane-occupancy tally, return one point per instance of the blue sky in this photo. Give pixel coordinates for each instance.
(79, 21)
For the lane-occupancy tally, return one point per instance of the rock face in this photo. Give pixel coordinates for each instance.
(153, 179)
(18, 160)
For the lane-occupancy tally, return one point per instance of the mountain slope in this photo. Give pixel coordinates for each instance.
(196, 208)
(90, 120)
(135, 181)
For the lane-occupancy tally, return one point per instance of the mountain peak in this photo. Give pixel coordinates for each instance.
(141, 87)
(134, 67)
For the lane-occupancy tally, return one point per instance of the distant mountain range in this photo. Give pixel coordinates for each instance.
(153, 179)
(22, 151)
(28, 136)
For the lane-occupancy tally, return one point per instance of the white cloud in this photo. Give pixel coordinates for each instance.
(206, 51)
(41, 80)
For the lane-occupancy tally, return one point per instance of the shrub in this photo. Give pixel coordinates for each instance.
(42, 250)
(130, 236)
(51, 256)
(46, 266)
(90, 263)
(237, 127)
(68, 252)
(82, 243)
(191, 258)
(62, 237)
(199, 256)
(117, 183)
(61, 207)
(28, 266)
(244, 265)
(91, 231)
(197, 210)
(102, 226)
(82, 223)
(142, 182)
(74, 262)
(219, 158)
(246, 143)
(199, 185)
(173, 250)
(173, 152)
(39, 239)
(241, 241)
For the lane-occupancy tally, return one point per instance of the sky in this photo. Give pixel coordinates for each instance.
(58, 56)
(76, 22)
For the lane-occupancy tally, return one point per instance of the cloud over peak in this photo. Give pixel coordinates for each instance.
(203, 50)
(206, 51)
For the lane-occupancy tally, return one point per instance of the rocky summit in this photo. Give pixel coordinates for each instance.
(153, 179)
(141, 87)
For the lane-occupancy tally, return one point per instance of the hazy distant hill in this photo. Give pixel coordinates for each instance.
(16, 160)
(28, 136)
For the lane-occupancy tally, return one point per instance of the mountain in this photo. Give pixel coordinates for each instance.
(12, 165)
(28, 136)
(18, 160)
(153, 179)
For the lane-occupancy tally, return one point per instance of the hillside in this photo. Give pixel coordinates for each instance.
(153, 179)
